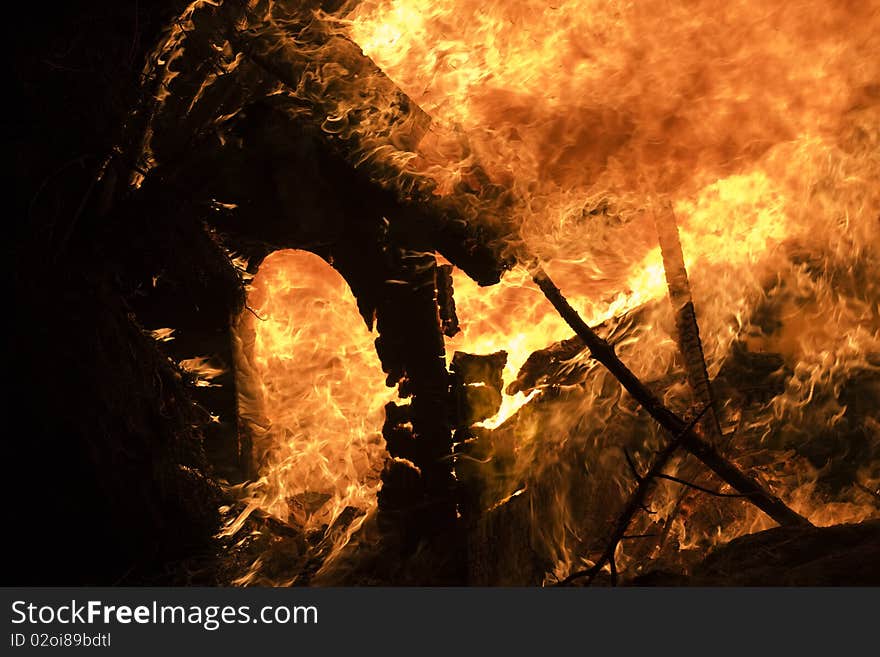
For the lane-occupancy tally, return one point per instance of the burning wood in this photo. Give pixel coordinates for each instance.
(446, 301)
(272, 48)
(470, 177)
(478, 382)
(687, 329)
(283, 51)
(703, 450)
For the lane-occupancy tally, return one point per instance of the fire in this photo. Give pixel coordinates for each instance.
(758, 122)
(312, 393)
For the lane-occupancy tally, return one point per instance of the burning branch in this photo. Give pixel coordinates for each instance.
(703, 450)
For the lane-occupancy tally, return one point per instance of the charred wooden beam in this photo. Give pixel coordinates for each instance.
(294, 126)
(377, 128)
(687, 330)
(446, 301)
(419, 489)
(477, 385)
(476, 391)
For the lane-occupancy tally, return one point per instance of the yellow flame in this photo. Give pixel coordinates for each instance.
(758, 121)
(312, 391)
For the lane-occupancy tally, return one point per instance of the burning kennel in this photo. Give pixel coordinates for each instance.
(532, 294)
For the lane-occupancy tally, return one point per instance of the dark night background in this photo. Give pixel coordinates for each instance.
(97, 419)
(114, 462)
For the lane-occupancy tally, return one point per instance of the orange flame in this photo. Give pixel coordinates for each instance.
(312, 393)
(758, 121)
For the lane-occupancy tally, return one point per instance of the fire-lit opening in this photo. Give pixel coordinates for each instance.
(311, 396)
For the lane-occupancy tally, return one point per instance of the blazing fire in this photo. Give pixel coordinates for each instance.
(312, 395)
(756, 124)
(759, 122)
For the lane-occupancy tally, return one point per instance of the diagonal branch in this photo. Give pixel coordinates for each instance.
(706, 452)
(687, 329)
(702, 489)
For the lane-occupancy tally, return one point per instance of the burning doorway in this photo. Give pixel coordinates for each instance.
(311, 399)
